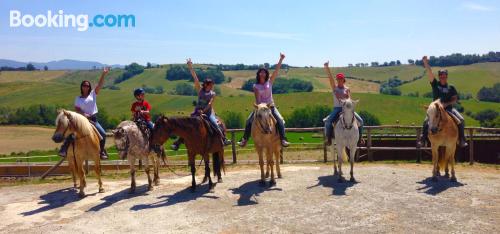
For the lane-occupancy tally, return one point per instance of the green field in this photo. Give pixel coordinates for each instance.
(60, 88)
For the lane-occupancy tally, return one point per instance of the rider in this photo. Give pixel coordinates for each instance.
(340, 92)
(141, 108)
(86, 104)
(448, 96)
(204, 106)
(263, 94)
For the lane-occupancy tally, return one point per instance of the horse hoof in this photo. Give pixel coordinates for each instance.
(352, 180)
(219, 180)
(262, 183)
(447, 175)
(453, 179)
(81, 194)
(434, 179)
(267, 176)
(280, 177)
(335, 173)
(150, 188)
(204, 180)
(75, 186)
(272, 183)
(131, 191)
(101, 190)
(438, 173)
(156, 183)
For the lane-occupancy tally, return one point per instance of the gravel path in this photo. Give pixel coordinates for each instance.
(387, 198)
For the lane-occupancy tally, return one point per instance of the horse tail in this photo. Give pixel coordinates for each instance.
(442, 157)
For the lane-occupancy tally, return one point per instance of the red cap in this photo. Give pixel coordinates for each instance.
(340, 76)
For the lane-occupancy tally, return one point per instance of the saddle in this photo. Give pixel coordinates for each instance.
(143, 126)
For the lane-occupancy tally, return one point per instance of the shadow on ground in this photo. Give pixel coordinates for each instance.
(250, 191)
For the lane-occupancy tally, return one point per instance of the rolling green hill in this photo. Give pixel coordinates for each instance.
(21, 89)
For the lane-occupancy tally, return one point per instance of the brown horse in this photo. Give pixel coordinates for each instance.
(443, 137)
(199, 139)
(267, 140)
(84, 147)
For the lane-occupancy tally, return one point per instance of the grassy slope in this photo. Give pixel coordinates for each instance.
(62, 90)
(467, 79)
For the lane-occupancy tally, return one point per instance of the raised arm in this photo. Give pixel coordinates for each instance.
(330, 76)
(105, 71)
(428, 69)
(277, 68)
(197, 85)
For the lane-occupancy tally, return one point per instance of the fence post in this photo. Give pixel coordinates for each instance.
(233, 146)
(325, 153)
(471, 146)
(369, 144)
(419, 152)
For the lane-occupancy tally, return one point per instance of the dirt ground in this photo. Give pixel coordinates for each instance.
(386, 198)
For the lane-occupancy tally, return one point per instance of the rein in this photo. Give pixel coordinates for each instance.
(344, 124)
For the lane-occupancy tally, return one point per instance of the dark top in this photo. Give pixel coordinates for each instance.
(443, 92)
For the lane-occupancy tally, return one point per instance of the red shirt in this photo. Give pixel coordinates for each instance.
(138, 106)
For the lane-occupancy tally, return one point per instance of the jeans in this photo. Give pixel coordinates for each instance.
(334, 115)
(280, 125)
(100, 129)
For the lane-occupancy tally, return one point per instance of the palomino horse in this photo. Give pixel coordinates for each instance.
(131, 143)
(199, 139)
(346, 135)
(84, 147)
(267, 139)
(443, 137)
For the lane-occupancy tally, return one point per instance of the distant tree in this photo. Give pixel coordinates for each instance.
(45, 68)
(266, 65)
(489, 94)
(398, 63)
(369, 119)
(148, 65)
(30, 67)
(185, 89)
(411, 61)
(374, 64)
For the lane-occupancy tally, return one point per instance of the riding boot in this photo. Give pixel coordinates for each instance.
(103, 153)
(361, 141)
(63, 152)
(461, 135)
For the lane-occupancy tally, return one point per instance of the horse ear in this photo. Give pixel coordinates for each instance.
(114, 131)
(255, 105)
(425, 107)
(66, 113)
(268, 105)
(355, 101)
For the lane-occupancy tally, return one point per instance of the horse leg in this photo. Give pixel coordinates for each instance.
(81, 175)
(446, 170)
(435, 159)
(261, 164)
(270, 163)
(206, 158)
(340, 153)
(97, 169)
(217, 166)
(72, 169)
(193, 171)
(156, 168)
(147, 169)
(352, 151)
(277, 155)
(131, 160)
(451, 158)
(335, 171)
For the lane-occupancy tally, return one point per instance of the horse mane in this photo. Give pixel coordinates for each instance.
(184, 122)
(80, 122)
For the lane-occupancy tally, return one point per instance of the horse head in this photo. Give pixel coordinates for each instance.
(434, 116)
(121, 141)
(347, 115)
(161, 132)
(63, 126)
(264, 118)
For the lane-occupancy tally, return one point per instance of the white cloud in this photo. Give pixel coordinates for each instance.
(476, 7)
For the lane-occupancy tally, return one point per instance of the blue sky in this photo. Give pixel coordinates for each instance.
(254, 32)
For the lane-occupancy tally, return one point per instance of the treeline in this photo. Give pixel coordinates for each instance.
(241, 66)
(130, 71)
(186, 89)
(312, 116)
(183, 73)
(45, 115)
(281, 85)
(28, 67)
(461, 59)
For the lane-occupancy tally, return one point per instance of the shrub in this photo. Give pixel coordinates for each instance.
(233, 119)
(369, 119)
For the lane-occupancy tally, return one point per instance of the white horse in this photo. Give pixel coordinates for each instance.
(346, 135)
(132, 144)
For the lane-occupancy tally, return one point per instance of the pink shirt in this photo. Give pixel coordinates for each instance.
(265, 92)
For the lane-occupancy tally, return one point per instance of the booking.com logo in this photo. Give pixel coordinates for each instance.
(61, 20)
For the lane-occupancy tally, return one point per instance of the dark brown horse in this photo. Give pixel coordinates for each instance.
(199, 139)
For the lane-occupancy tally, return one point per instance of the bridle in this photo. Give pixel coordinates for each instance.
(261, 125)
(439, 119)
(344, 124)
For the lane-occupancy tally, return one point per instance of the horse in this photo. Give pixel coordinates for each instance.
(266, 138)
(346, 135)
(199, 138)
(443, 138)
(84, 147)
(131, 143)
